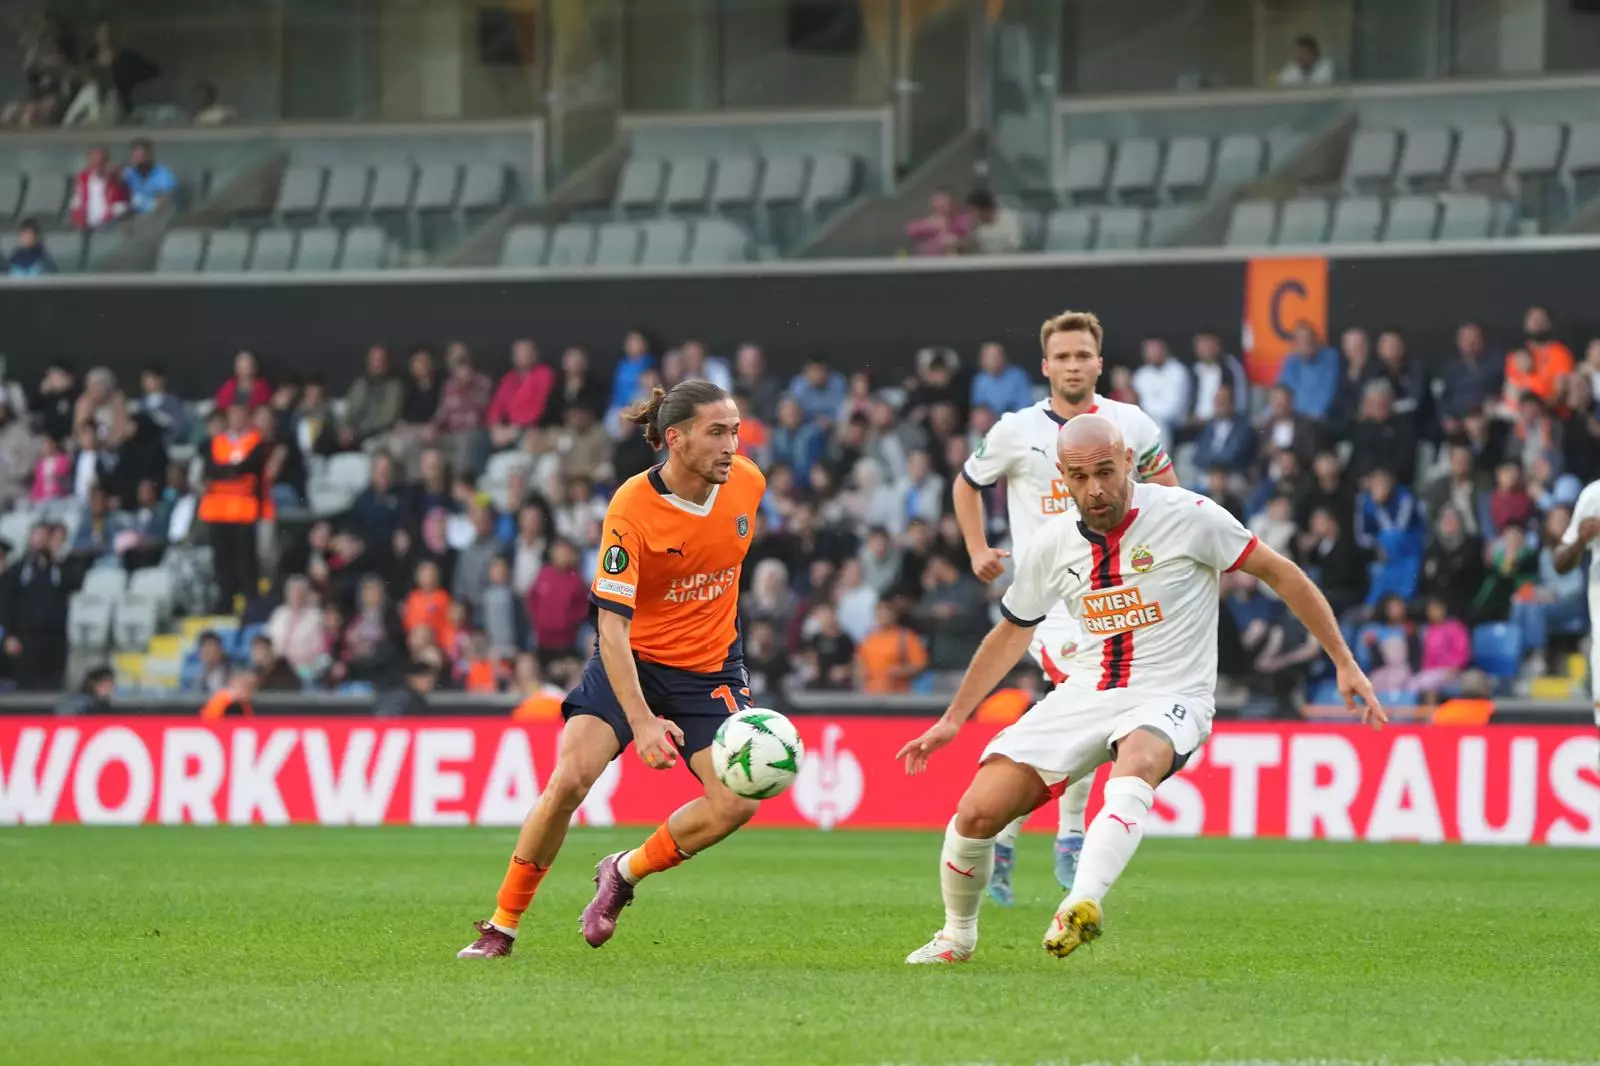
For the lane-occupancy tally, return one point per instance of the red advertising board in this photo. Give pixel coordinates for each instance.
(1496, 784)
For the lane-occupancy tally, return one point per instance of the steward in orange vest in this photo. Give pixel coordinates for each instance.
(231, 505)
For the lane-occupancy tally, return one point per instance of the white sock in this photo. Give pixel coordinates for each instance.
(1113, 838)
(964, 868)
(1008, 835)
(1074, 804)
(622, 868)
(512, 933)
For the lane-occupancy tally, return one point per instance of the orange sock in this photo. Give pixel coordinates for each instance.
(516, 892)
(659, 853)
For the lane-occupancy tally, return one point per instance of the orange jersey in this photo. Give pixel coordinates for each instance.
(672, 566)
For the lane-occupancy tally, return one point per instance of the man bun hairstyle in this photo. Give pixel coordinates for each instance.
(674, 408)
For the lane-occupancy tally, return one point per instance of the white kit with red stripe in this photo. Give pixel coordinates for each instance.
(1021, 447)
(1144, 595)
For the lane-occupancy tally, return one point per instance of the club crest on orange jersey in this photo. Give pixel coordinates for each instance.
(1141, 559)
(743, 524)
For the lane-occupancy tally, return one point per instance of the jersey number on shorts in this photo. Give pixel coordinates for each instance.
(1177, 713)
(725, 694)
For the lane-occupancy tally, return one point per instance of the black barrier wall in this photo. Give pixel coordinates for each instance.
(875, 318)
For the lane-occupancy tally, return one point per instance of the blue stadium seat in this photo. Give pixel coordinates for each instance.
(1397, 697)
(1497, 649)
(1324, 694)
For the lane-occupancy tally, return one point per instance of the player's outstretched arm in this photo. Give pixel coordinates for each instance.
(994, 658)
(967, 502)
(1311, 607)
(652, 736)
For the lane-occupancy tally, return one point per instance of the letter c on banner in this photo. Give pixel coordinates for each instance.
(1280, 294)
(1283, 326)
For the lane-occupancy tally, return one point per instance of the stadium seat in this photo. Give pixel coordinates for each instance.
(318, 251)
(1252, 223)
(325, 498)
(1497, 649)
(156, 584)
(45, 198)
(227, 251)
(1087, 168)
(181, 250)
(783, 182)
(1188, 167)
(346, 197)
(1304, 221)
(89, 620)
(1133, 176)
(1581, 171)
(352, 470)
(136, 622)
(688, 184)
(1070, 229)
(1481, 155)
(1120, 228)
(524, 246)
(1371, 160)
(1425, 158)
(1356, 220)
(365, 248)
(571, 245)
(437, 186)
(616, 244)
(483, 188)
(1412, 218)
(639, 188)
(105, 582)
(718, 241)
(391, 189)
(733, 186)
(1535, 149)
(1466, 216)
(833, 182)
(273, 251)
(1240, 158)
(300, 195)
(10, 196)
(666, 242)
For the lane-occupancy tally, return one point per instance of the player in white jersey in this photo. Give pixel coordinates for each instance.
(1021, 447)
(1139, 567)
(1582, 531)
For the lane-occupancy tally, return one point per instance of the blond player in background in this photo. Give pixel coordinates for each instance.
(1022, 449)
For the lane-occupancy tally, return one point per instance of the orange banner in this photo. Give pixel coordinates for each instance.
(1279, 294)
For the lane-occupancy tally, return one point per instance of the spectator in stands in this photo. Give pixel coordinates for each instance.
(1218, 487)
(90, 463)
(168, 411)
(285, 475)
(1412, 400)
(1307, 66)
(828, 654)
(33, 613)
(1513, 567)
(93, 695)
(103, 407)
(52, 473)
(1382, 437)
(891, 657)
(1311, 374)
(275, 674)
(1329, 553)
(1474, 378)
(1534, 434)
(1214, 367)
(583, 446)
(1486, 441)
(1275, 523)
(98, 194)
(1580, 430)
(151, 185)
(212, 675)
(999, 385)
(819, 390)
(880, 561)
(951, 613)
(1453, 567)
(751, 379)
(558, 602)
(295, 627)
(458, 425)
(115, 72)
(235, 463)
(1163, 387)
(49, 77)
(208, 108)
(529, 548)
(374, 403)
(379, 509)
(944, 230)
(1446, 653)
(626, 379)
(699, 364)
(246, 386)
(1465, 489)
(996, 230)
(521, 397)
(1358, 370)
(796, 442)
(418, 407)
(56, 400)
(770, 598)
(577, 386)
(1509, 503)
(765, 660)
(1226, 439)
(1557, 602)
(1389, 523)
(935, 384)
(921, 492)
(1540, 363)
(505, 621)
(472, 567)
(1285, 429)
(854, 599)
(428, 604)
(234, 699)
(19, 453)
(29, 257)
(95, 539)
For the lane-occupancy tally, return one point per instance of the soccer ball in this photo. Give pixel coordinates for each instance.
(757, 753)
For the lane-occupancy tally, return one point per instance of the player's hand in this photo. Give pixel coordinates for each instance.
(1353, 684)
(916, 752)
(1588, 529)
(653, 741)
(989, 564)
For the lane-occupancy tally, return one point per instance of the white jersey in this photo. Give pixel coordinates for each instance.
(1588, 506)
(1021, 448)
(1144, 593)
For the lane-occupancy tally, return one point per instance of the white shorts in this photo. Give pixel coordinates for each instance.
(1067, 735)
(1055, 642)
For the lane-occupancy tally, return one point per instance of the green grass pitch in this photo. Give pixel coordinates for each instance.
(229, 945)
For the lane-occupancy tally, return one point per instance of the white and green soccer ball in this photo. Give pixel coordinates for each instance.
(757, 753)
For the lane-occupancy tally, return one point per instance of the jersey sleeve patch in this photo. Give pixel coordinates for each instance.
(616, 579)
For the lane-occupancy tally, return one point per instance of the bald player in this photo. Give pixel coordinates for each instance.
(1137, 567)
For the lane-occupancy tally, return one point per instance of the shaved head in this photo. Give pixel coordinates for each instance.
(1095, 463)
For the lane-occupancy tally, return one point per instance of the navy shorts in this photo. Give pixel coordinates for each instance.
(698, 704)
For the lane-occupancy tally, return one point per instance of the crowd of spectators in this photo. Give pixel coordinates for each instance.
(466, 558)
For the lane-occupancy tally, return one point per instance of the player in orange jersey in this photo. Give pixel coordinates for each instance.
(669, 663)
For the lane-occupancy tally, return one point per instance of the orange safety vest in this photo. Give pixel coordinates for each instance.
(235, 501)
(223, 703)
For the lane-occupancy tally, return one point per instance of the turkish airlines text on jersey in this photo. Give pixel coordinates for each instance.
(1498, 784)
